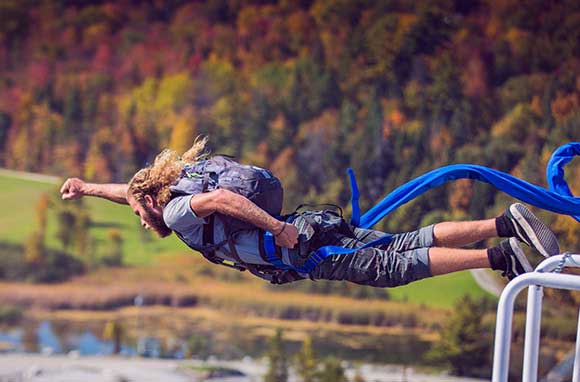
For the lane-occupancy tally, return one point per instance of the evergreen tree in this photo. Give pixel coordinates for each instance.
(5, 123)
(306, 363)
(83, 241)
(465, 342)
(278, 369)
(66, 220)
(72, 113)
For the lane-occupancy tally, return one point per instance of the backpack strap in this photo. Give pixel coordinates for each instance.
(262, 246)
(208, 248)
(231, 238)
(208, 231)
(208, 242)
(256, 271)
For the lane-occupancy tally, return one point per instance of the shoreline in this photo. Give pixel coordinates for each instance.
(38, 367)
(225, 339)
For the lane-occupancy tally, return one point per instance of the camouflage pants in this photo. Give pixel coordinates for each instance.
(403, 260)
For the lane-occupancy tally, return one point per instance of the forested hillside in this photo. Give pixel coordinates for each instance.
(307, 88)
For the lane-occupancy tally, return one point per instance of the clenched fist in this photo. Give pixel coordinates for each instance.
(73, 188)
(288, 237)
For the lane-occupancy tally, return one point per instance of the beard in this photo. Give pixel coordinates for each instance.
(157, 223)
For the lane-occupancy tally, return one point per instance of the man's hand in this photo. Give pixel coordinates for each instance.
(288, 236)
(72, 189)
(75, 188)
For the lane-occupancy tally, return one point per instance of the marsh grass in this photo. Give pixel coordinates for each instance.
(162, 284)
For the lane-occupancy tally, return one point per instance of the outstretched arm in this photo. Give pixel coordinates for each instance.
(235, 205)
(75, 188)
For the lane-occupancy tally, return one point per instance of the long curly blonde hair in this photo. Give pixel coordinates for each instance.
(155, 180)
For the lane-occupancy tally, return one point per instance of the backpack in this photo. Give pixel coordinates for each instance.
(257, 184)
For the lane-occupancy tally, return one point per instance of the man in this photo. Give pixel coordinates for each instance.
(426, 252)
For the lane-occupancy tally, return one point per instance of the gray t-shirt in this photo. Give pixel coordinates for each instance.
(179, 216)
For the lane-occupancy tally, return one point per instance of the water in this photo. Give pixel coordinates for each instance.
(41, 337)
(62, 337)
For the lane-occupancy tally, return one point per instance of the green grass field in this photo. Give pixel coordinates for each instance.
(441, 291)
(20, 196)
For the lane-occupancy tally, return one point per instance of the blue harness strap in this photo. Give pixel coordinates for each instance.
(270, 250)
(557, 199)
(354, 196)
(322, 253)
(555, 170)
(315, 257)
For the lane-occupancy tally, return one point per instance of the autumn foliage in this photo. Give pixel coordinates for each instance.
(392, 89)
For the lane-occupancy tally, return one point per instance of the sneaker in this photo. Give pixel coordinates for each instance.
(516, 261)
(530, 230)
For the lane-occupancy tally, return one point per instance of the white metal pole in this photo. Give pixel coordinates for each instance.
(532, 341)
(534, 317)
(503, 332)
(553, 262)
(505, 313)
(576, 373)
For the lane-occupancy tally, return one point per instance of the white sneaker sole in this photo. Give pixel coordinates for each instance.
(530, 233)
(520, 255)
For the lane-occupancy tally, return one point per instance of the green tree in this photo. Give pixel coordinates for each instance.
(73, 226)
(66, 220)
(35, 251)
(371, 153)
(114, 331)
(5, 123)
(198, 346)
(332, 371)
(278, 369)
(72, 113)
(306, 363)
(14, 20)
(82, 237)
(465, 341)
(313, 88)
(115, 255)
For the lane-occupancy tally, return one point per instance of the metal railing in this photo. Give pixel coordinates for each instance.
(547, 274)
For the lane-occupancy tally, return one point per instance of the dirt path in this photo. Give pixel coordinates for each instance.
(487, 281)
(30, 176)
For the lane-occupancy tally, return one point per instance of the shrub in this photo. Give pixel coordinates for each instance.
(57, 266)
(10, 315)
